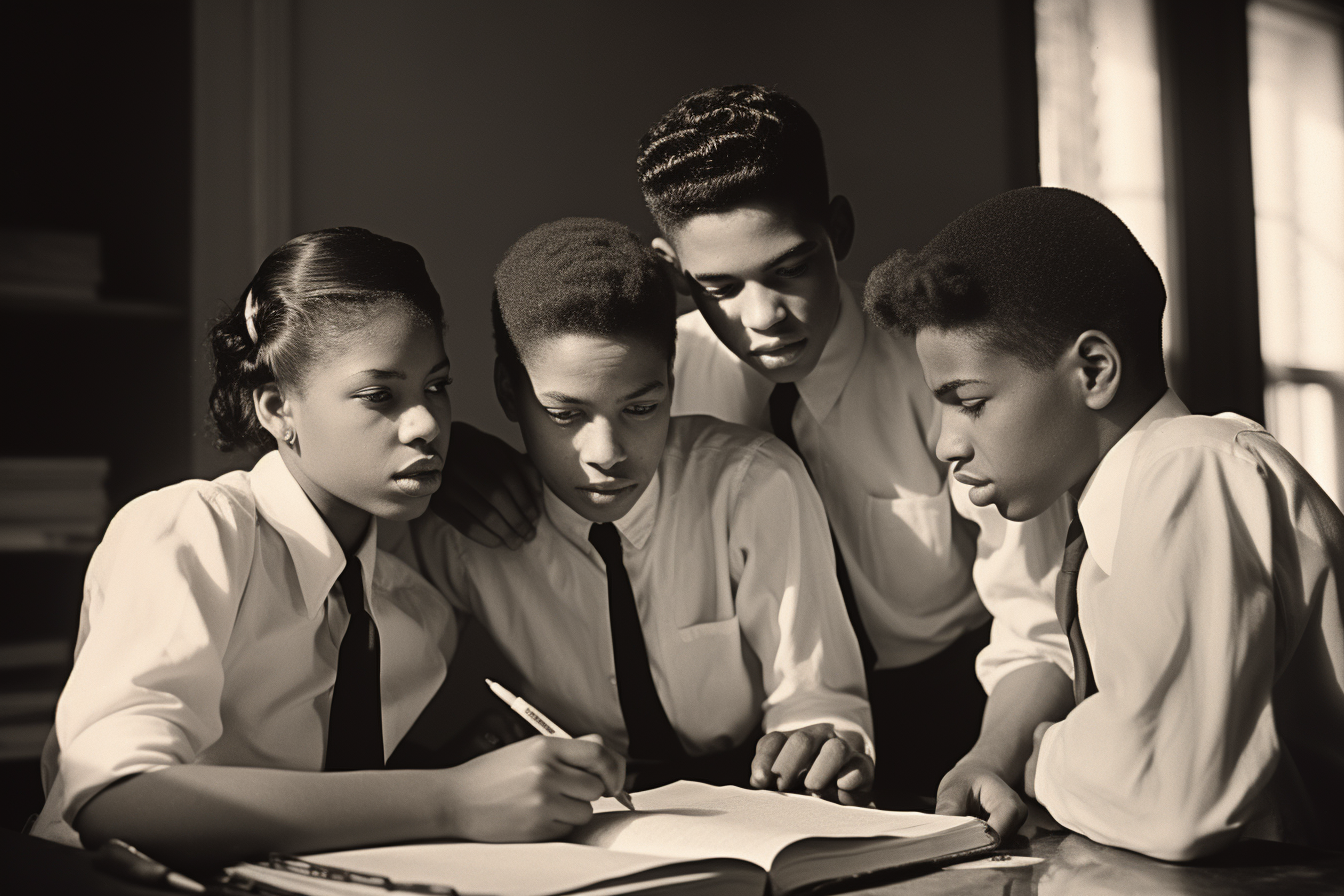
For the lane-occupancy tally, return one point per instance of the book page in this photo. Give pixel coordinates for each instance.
(753, 825)
(498, 869)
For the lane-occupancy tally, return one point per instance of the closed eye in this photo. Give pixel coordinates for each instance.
(374, 396)
(562, 415)
(642, 410)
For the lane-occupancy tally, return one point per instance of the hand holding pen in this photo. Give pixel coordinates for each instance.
(537, 720)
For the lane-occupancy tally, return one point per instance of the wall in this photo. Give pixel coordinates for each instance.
(457, 127)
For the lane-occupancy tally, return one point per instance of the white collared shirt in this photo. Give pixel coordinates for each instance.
(733, 576)
(867, 425)
(1209, 601)
(210, 631)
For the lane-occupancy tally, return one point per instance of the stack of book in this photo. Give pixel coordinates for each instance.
(52, 503)
(52, 513)
(49, 264)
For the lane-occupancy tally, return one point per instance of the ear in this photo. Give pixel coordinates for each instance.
(663, 249)
(840, 227)
(273, 411)
(1099, 368)
(504, 390)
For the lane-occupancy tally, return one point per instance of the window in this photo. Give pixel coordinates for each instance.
(1101, 116)
(1297, 158)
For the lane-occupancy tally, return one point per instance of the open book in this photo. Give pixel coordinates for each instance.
(685, 837)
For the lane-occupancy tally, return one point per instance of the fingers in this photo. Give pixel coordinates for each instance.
(831, 760)
(1006, 811)
(490, 517)
(491, 493)
(816, 758)
(953, 796)
(767, 751)
(590, 755)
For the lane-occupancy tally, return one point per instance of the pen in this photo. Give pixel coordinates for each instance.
(538, 721)
(125, 861)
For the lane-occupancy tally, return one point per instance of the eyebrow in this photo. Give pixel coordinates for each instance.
(802, 248)
(562, 398)
(377, 374)
(953, 385)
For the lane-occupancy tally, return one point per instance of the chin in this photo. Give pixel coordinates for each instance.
(404, 509)
(1022, 509)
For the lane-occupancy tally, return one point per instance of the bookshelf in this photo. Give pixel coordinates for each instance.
(102, 101)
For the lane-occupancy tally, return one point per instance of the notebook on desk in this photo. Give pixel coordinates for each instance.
(685, 837)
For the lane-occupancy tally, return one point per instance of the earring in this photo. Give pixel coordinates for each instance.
(288, 436)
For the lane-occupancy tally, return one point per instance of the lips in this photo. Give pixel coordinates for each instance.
(612, 487)
(779, 346)
(967, 479)
(422, 467)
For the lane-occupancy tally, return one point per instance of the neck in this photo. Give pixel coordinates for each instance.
(1116, 419)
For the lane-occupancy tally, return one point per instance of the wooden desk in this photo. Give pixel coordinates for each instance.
(1076, 866)
(1073, 866)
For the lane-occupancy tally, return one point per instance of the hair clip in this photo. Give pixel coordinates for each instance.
(250, 317)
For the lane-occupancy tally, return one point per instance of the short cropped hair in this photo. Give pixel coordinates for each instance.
(583, 276)
(725, 146)
(1027, 272)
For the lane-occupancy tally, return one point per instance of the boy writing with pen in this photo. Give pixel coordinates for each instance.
(679, 598)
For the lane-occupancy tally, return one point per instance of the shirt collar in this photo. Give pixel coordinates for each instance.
(317, 555)
(635, 525)
(821, 388)
(1100, 505)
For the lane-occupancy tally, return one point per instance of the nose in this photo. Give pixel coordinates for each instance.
(762, 308)
(953, 445)
(419, 422)
(599, 445)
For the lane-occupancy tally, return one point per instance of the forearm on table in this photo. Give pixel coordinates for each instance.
(201, 815)
(1022, 700)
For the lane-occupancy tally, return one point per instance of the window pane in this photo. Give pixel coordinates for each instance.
(1297, 144)
(1101, 114)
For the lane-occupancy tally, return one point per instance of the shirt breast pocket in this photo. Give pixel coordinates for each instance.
(907, 547)
(713, 688)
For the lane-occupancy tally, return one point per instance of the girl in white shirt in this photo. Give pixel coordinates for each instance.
(198, 718)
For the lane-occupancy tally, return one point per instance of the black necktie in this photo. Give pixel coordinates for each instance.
(783, 399)
(651, 733)
(355, 726)
(1066, 608)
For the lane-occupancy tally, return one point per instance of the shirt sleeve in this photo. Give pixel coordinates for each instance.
(788, 601)
(160, 598)
(1015, 567)
(1170, 754)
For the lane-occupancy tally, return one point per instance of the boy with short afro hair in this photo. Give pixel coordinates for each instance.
(735, 178)
(679, 597)
(1201, 599)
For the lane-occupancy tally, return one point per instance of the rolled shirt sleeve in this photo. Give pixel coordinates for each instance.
(161, 595)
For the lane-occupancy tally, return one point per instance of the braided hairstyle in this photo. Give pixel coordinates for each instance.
(305, 299)
(725, 146)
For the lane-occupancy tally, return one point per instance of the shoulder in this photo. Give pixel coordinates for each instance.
(1224, 439)
(191, 508)
(704, 450)
(697, 342)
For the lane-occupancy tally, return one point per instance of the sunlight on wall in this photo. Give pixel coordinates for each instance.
(1297, 151)
(1101, 117)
